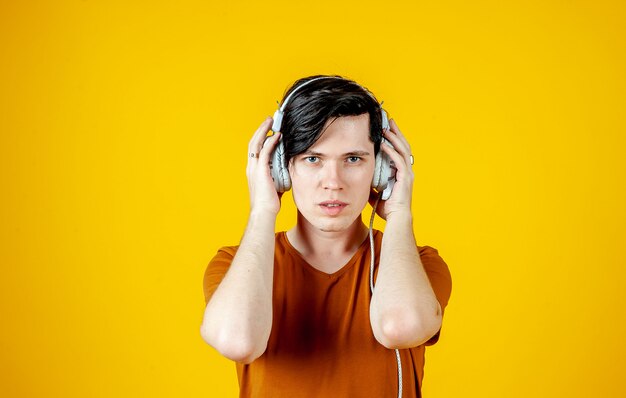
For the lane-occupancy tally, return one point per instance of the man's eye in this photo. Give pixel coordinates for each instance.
(353, 159)
(311, 159)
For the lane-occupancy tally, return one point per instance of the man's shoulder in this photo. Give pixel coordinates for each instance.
(228, 250)
(232, 250)
(431, 259)
(427, 250)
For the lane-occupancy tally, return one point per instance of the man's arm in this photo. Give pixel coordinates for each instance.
(404, 311)
(238, 317)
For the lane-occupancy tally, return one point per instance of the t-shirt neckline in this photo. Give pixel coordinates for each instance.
(348, 265)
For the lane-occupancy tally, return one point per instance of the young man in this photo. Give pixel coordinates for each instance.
(294, 309)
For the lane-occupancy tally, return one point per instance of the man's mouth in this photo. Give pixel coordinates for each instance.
(332, 203)
(333, 207)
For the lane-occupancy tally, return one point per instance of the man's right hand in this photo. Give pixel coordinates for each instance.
(263, 195)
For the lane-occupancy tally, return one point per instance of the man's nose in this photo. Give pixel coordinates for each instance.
(332, 176)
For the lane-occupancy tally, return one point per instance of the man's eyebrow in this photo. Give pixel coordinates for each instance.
(352, 153)
(357, 153)
(311, 153)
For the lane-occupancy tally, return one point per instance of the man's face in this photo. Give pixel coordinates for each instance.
(331, 181)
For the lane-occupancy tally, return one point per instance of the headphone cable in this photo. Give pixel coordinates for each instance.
(371, 227)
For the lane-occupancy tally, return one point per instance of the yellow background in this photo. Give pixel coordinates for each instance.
(124, 129)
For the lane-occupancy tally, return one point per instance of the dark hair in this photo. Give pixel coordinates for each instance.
(313, 105)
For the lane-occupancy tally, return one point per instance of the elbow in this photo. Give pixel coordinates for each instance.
(232, 345)
(405, 329)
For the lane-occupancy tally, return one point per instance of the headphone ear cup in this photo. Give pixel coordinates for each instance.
(277, 121)
(384, 119)
(382, 171)
(278, 168)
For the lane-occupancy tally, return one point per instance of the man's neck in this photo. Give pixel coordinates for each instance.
(326, 250)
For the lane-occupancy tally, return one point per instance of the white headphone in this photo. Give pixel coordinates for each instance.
(384, 172)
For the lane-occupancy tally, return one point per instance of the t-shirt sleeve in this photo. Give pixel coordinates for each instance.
(440, 280)
(216, 270)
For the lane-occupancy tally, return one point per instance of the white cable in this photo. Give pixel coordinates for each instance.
(399, 373)
(398, 360)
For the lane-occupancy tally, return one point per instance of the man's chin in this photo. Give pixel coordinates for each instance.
(324, 223)
(334, 226)
(325, 229)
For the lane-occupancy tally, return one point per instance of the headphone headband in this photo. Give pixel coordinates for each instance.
(282, 108)
(278, 115)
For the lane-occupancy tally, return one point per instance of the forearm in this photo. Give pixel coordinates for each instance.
(404, 310)
(238, 318)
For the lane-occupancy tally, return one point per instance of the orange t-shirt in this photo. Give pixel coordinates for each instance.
(321, 343)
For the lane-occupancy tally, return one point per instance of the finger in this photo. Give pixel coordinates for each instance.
(401, 162)
(395, 130)
(394, 127)
(399, 146)
(259, 136)
(268, 146)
